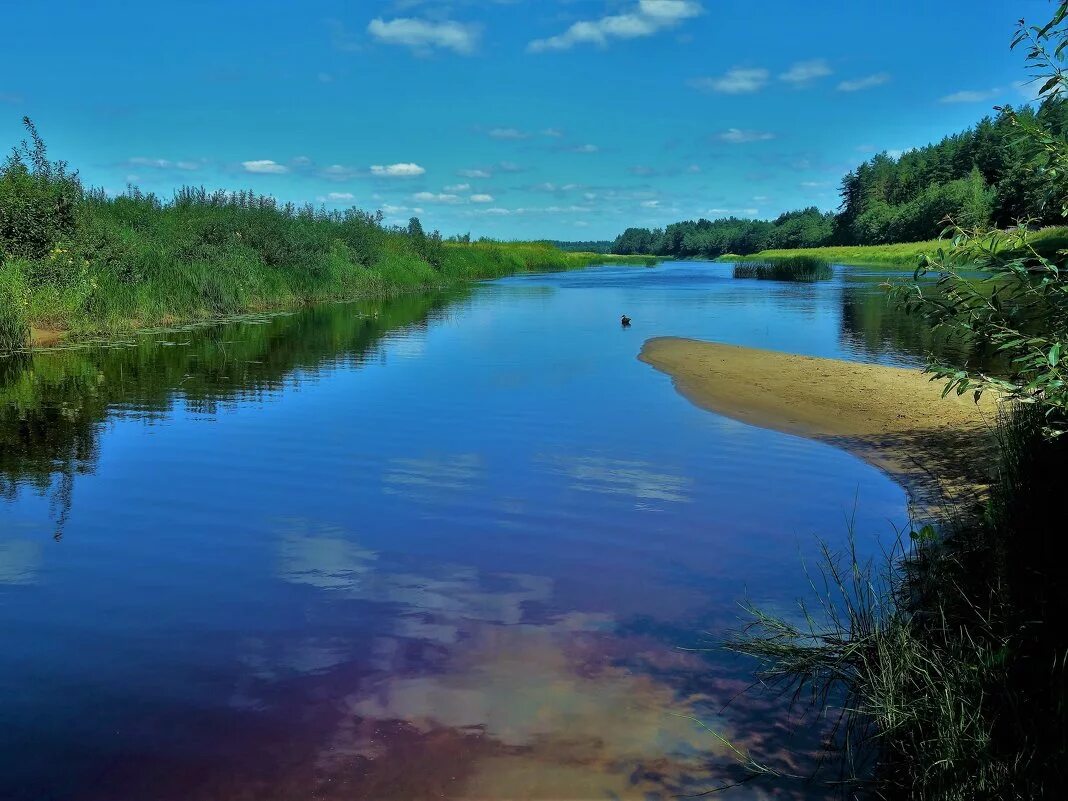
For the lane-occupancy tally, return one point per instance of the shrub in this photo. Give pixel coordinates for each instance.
(38, 200)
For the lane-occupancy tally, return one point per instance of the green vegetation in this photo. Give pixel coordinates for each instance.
(796, 268)
(949, 667)
(75, 260)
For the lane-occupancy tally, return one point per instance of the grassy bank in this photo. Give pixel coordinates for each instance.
(77, 261)
(904, 254)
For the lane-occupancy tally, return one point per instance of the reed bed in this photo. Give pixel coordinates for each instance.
(794, 268)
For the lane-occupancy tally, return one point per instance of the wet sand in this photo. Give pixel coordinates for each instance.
(893, 418)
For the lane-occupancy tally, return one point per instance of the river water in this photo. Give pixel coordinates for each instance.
(456, 546)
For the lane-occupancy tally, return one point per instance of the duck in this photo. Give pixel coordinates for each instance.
(625, 321)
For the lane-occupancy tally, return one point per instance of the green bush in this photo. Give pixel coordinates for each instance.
(38, 200)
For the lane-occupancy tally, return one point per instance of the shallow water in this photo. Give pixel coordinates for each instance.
(460, 546)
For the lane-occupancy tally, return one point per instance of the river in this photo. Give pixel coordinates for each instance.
(457, 546)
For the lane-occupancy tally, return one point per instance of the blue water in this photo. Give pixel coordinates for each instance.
(455, 547)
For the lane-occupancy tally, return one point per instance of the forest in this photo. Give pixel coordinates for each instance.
(988, 175)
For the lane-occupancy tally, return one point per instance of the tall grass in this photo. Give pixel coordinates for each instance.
(795, 268)
(14, 327)
(946, 663)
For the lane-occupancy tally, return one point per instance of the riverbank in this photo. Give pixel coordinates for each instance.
(893, 418)
(49, 312)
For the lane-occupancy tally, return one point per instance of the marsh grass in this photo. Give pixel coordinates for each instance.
(794, 268)
(943, 666)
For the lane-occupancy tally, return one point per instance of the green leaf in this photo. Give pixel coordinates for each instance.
(1054, 355)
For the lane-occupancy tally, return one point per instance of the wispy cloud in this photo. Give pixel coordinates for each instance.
(804, 72)
(10, 97)
(163, 164)
(476, 173)
(431, 197)
(737, 136)
(423, 36)
(647, 18)
(970, 96)
(401, 170)
(585, 149)
(736, 81)
(481, 198)
(264, 167)
(336, 197)
(508, 133)
(867, 82)
(553, 132)
(458, 188)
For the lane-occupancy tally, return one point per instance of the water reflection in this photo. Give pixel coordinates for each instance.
(640, 480)
(53, 406)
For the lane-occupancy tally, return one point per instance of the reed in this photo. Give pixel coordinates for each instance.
(794, 268)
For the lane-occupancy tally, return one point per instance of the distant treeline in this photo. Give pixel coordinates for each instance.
(987, 175)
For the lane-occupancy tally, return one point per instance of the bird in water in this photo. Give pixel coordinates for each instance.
(624, 321)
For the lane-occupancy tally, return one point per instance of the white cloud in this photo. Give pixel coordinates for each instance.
(554, 132)
(335, 172)
(389, 208)
(337, 197)
(264, 166)
(867, 82)
(736, 81)
(430, 197)
(481, 198)
(585, 149)
(804, 72)
(650, 204)
(474, 173)
(401, 170)
(970, 96)
(814, 184)
(508, 133)
(458, 188)
(645, 19)
(423, 35)
(737, 136)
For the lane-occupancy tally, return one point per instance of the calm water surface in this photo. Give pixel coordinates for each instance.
(440, 547)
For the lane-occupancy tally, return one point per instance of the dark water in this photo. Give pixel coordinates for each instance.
(448, 546)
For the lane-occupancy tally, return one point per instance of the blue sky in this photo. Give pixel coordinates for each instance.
(568, 119)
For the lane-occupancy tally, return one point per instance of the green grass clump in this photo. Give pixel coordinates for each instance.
(946, 666)
(794, 268)
(14, 326)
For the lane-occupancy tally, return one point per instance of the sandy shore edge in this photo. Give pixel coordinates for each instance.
(894, 418)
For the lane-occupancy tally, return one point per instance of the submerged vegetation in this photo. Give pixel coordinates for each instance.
(794, 268)
(77, 260)
(949, 665)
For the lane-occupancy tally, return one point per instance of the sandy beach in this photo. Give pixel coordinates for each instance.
(894, 418)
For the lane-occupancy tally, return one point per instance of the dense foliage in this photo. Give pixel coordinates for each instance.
(988, 175)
